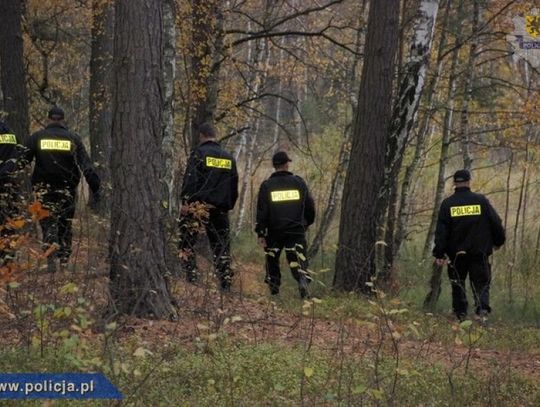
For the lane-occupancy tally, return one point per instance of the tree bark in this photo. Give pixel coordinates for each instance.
(445, 140)
(170, 142)
(333, 199)
(468, 90)
(12, 68)
(403, 118)
(138, 250)
(423, 137)
(206, 50)
(100, 98)
(256, 81)
(365, 175)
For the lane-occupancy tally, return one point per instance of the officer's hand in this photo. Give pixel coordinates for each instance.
(184, 210)
(440, 262)
(262, 242)
(94, 202)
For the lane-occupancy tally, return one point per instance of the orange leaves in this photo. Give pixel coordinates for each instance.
(8, 273)
(49, 251)
(37, 211)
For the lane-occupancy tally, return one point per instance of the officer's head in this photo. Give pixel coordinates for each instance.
(207, 132)
(281, 161)
(462, 178)
(55, 114)
(4, 128)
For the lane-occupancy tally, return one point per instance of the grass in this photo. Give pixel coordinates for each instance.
(230, 374)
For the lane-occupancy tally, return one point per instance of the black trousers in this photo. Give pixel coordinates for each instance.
(217, 230)
(57, 227)
(479, 271)
(295, 251)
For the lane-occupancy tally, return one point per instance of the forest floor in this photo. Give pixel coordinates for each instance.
(344, 328)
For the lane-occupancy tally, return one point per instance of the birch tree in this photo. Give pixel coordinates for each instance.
(406, 107)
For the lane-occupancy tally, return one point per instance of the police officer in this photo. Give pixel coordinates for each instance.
(210, 182)
(10, 196)
(60, 157)
(285, 209)
(468, 228)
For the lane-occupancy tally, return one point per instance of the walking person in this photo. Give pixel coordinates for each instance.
(209, 192)
(285, 209)
(60, 158)
(468, 229)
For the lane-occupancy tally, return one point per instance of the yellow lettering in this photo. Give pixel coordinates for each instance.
(223, 163)
(465, 210)
(280, 196)
(8, 139)
(55, 145)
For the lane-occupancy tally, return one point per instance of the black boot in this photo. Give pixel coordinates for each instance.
(303, 287)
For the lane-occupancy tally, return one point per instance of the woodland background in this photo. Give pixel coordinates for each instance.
(377, 102)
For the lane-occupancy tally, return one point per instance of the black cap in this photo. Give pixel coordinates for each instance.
(56, 113)
(280, 158)
(4, 128)
(462, 176)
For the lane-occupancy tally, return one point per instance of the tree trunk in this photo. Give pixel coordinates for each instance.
(423, 137)
(100, 98)
(206, 49)
(434, 287)
(468, 90)
(12, 67)
(257, 80)
(403, 118)
(445, 141)
(333, 199)
(365, 175)
(170, 143)
(138, 249)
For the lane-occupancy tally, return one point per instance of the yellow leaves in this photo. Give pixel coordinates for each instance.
(308, 372)
(69, 288)
(16, 224)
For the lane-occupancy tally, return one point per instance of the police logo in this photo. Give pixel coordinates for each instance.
(8, 139)
(525, 39)
(465, 210)
(222, 163)
(281, 196)
(532, 25)
(55, 145)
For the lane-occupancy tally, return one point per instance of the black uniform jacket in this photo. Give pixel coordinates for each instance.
(10, 152)
(467, 222)
(60, 157)
(211, 177)
(284, 205)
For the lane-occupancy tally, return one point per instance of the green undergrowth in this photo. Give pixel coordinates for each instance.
(223, 373)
